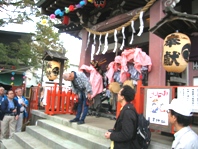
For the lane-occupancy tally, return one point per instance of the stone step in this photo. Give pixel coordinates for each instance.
(29, 142)
(84, 138)
(98, 127)
(10, 144)
(52, 140)
(87, 127)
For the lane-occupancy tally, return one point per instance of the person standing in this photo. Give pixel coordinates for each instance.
(2, 97)
(124, 133)
(179, 115)
(82, 87)
(23, 102)
(11, 110)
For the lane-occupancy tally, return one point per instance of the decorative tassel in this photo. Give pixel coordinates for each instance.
(106, 44)
(116, 41)
(88, 41)
(133, 31)
(99, 47)
(141, 24)
(123, 28)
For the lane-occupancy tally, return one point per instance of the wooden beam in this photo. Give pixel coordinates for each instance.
(116, 21)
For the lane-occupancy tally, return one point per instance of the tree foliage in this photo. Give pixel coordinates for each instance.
(29, 50)
(17, 11)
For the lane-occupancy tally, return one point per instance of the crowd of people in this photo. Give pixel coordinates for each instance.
(13, 110)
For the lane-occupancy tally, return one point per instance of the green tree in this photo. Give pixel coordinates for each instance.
(17, 11)
(29, 50)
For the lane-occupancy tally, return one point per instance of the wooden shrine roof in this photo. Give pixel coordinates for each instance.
(175, 21)
(112, 9)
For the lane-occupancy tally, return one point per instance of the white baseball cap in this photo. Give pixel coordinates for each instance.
(181, 107)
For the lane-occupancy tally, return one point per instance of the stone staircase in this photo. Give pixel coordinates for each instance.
(56, 132)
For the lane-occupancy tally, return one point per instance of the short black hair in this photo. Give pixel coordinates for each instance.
(128, 93)
(181, 119)
(9, 91)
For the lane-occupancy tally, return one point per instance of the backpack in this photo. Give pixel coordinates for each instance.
(143, 135)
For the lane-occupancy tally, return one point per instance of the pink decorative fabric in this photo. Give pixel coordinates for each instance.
(135, 56)
(112, 67)
(95, 79)
(138, 57)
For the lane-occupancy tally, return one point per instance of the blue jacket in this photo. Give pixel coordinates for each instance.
(25, 100)
(4, 106)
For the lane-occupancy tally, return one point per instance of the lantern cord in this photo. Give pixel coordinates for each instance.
(144, 9)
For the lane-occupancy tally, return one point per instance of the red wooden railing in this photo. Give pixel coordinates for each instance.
(60, 101)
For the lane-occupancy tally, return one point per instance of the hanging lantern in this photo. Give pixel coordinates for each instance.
(99, 3)
(176, 52)
(53, 69)
(66, 20)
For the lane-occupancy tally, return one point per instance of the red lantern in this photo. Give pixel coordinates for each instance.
(99, 3)
(66, 20)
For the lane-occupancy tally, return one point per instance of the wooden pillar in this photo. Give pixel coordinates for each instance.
(85, 55)
(157, 75)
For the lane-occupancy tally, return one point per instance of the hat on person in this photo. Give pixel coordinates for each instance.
(180, 106)
(114, 87)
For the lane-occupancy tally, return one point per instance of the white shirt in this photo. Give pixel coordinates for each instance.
(20, 101)
(185, 138)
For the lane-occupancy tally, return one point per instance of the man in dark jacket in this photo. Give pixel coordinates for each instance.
(11, 110)
(124, 132)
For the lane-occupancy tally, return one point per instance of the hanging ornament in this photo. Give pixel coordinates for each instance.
(12, 83)
(141, 24)
(52, 16)
(82, 3)
(99, 3)
(12, 78)
(71, 8)
(106, 44)
(57, 12)
(44, 22)
(24, 77)
(99, 46)
(123, 38)
(176, 52)
(13, 73)
(13, 67)
(66, 20)
(78, 6)
(91, 1)
(116, 41)
(133, 31)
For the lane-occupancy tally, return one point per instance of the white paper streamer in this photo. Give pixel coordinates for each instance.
(123, 28)
(99, 47)
(88, 41)
(133, 31)
(116, 40)
(141, 24)
(92, 52)
(94, 38)
(106, 44)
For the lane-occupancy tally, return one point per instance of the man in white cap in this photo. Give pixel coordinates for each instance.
(180, 114)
